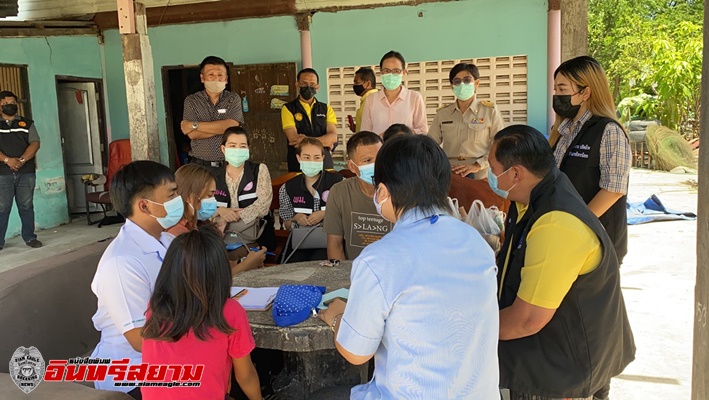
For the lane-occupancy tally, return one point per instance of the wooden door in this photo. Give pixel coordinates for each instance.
(266, 87)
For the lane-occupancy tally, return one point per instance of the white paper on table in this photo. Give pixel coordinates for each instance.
(255, 298)
(344, 293)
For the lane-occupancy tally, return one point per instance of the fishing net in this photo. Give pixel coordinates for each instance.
(669, 149)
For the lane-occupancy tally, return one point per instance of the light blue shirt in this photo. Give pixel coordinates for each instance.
(124, 281)
(422, 300)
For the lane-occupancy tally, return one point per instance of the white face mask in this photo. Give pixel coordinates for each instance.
(215, 87)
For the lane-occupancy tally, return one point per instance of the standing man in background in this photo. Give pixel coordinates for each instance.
(208, 113)
(19, 143)
(365, 83)
(306, 116)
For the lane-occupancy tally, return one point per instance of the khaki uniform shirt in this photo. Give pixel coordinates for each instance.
(466, 136)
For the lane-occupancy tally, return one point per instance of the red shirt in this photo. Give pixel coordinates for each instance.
(215, 354)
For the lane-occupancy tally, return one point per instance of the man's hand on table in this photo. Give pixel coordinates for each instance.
(337, 307)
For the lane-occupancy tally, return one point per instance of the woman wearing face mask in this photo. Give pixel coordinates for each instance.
(425, 291)
(395, 104)
(590, 146)
(465, 129)
(303, 199)
(244, 190)
(196, 187)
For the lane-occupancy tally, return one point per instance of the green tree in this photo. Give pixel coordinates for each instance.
(652, 47)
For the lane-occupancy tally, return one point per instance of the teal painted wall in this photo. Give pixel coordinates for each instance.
(45, 58)
(447, 31)
(251, 41)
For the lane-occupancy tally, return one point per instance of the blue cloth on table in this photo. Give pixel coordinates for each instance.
(652, 210)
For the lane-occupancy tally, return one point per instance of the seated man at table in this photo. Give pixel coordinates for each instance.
(351, 220)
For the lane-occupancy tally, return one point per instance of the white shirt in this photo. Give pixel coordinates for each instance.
(123, 284)
(423, 301)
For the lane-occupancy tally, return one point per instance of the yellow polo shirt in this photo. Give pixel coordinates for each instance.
(560, 247)
(358, 116)
(288, 120)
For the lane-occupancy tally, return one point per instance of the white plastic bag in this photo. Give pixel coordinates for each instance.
(487, 221)
(454, 208)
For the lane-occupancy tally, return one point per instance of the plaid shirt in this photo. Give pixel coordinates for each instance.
(615, 152)
(199, 108)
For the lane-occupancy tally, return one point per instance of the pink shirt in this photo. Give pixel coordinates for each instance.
(408, 109)
(215, 354)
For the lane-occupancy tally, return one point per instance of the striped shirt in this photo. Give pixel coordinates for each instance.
(199, 108)
(616, 156)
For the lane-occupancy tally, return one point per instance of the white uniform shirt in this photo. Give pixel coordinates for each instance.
(123, 283)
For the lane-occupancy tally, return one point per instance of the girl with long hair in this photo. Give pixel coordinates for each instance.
(192, 320)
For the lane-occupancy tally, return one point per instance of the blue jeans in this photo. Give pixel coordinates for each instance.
(21, 188)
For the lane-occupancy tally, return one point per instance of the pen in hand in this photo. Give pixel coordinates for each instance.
(268, 253)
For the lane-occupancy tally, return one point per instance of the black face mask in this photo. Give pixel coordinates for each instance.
(9, 109)
(358, 89)
(561, 103)
(308, 92)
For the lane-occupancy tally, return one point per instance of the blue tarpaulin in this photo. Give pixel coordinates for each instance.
(652, 210)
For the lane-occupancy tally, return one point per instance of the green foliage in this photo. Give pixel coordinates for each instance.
(642, 106)
(652, 47)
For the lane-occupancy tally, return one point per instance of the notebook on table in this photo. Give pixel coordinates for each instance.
(254, 299)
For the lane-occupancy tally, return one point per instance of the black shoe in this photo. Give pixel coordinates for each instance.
(34, 243)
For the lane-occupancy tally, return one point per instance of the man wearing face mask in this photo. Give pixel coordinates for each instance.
(465, 128)
(305, 116)
(351, 220)
(365, 83)
(19, 143)
(564, 330)
(209, 112)
(145, 193)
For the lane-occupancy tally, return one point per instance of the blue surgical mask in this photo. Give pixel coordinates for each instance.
(492, 181)
(207, 209)
(174, 208)
(378, 205)
(311, 168)
(366, 173)
(464, 91)
(236, 157)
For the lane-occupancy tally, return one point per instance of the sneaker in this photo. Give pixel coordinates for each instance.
(34, 243)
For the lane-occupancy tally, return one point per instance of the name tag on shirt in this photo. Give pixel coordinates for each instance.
(222, 111)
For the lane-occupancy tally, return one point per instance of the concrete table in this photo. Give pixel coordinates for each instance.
(311, 360)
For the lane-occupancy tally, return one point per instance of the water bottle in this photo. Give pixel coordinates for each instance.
(245, 104)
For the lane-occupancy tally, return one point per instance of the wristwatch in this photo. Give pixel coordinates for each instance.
(194, 126)
(6, 160)
(22, 160)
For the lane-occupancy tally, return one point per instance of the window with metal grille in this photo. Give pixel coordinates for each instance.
(503, 80)
(14, 79)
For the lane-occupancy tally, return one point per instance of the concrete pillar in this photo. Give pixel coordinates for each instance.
(553, 54)
(306, 47)
(140, 81)
(700, 360)
(574, 28)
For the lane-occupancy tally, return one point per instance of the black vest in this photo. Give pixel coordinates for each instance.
(581, 164)
(588, 340)
(247, 187)
(300, 197)
(314, 128)
(14, 140)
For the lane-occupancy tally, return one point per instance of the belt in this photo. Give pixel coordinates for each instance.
(215, 164)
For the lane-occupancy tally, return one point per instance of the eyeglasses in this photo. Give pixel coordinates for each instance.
(304, 85)
(466, 80)
(395, 71)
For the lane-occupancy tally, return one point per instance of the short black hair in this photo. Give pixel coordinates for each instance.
(460, 67)
(396, 129)
(361, 138)
(7, 93)
(525, 146)
(366, 74)
(234, 130)
(134, 180)
(393, 54)
(212, 60)
(308, 71)
(417, 173)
